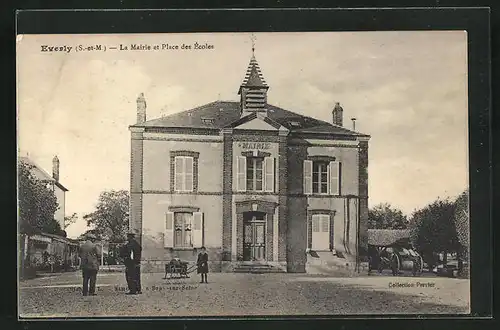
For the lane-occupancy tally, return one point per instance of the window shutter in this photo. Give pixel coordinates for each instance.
(334, 178)
(325, 223)
(168, 239)
(241, 173)
(308, 165)
(188, 174)
(179, 174)
(197, 230)
(269, 174)
(316, 223)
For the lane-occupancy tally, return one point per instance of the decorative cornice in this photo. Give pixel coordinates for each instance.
(256, 153)
(183, 208)
(187, 153)
(337, 145)
(171, 192)
(226, 131)
(321, 158)
(180, 140)
(249, 193)
(363, 138)
(183, 130)
(136, 129)
(314, 211)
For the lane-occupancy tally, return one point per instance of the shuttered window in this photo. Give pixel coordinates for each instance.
(308, 165)
(334, 178)
(168, 240)
(254, 174)
(269, 170)
(183, 230)
(197, 233)
(183, 176)
(320, 178)
(241, 173)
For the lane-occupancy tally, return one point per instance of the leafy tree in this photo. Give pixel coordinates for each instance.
(37, 204)
(110, 220)
(69, 220)
(383, 216)
(433, 230)
(462, 227)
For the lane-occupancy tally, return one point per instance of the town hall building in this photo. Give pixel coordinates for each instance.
(251, 182)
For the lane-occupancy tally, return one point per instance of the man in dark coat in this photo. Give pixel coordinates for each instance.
(90, 258)
(132, 259)
(203, 264)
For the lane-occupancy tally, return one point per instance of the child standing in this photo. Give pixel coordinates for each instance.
(203, 264)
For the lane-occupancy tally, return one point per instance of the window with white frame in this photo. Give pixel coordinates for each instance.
(321, 177)
(183, 175)
(183, 230)
(255, 174)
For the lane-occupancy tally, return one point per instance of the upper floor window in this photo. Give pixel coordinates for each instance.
(255, 174)
(321, 177)
(183, 173)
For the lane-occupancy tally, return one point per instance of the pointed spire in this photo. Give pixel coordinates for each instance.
(253, 77)
(253, 90)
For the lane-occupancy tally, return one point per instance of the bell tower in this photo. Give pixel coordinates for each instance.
(253, 90)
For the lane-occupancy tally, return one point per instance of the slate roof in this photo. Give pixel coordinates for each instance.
(224, 114)
(387, 237)
(40, 173)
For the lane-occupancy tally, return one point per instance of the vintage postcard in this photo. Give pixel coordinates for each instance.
(243, 174)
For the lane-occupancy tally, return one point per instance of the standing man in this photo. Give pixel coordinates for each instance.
(132, 259)
(90, 258)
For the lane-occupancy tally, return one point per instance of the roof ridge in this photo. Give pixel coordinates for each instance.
(183, 111)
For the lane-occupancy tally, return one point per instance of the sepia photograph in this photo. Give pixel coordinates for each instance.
(243, 174)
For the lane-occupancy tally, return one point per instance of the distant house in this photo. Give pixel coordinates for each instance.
(388, 237)
(53, 183)
(43, 249)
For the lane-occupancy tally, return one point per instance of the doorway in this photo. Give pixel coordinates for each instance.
(254, 233)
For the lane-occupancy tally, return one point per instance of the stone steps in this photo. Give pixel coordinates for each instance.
(257, 269)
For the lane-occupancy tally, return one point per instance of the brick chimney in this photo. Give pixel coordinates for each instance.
(337, 114)
(55, 168)
(141, 109)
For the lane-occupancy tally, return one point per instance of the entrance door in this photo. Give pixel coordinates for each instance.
(254, 244)
(320, 232)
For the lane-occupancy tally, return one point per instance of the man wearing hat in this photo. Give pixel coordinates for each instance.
(90, 257)
(132, 259)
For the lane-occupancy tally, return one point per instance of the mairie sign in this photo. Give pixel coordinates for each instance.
(255, 145)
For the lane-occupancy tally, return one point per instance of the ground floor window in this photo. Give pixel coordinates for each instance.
(182, 229)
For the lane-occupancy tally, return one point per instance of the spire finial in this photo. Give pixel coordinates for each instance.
(252, 37)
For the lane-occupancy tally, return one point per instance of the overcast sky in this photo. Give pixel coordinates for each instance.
(408, 90)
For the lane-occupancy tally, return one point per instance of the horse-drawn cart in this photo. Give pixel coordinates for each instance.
(391, 249)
